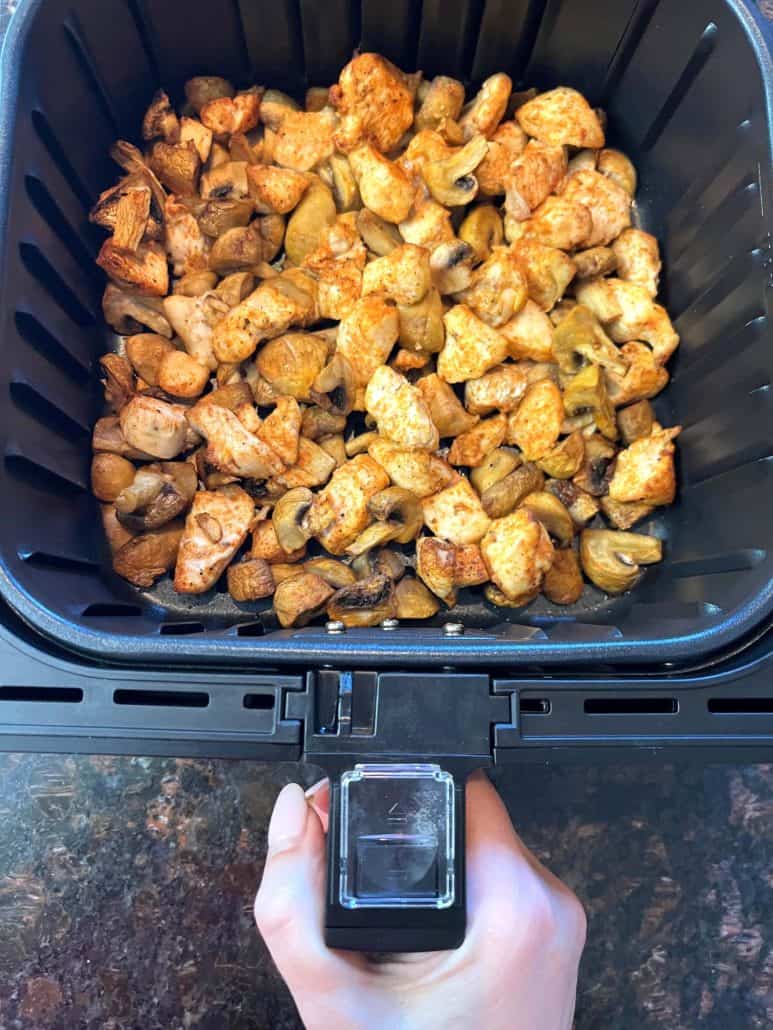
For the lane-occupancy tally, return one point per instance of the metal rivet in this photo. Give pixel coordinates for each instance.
(334, 626)
(453, 629)
(390, 624)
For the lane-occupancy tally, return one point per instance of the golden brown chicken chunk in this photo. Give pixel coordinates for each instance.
(645, 470)
(400, 410)
(518, 552)
(638, 259)
(215, 528)
(456, 513)
(498, 289)
(374, 101)
(340, 511)
(608, 203)
(367, 335)
(384, 187)
(471, 346)
(529, 334)
(304, 139)
(505, 146)
(472, 447)
(270, 310)
(231, 447)
(418, 471)
(533, 176)
(501, 389)
(536, 424)
(562, 117)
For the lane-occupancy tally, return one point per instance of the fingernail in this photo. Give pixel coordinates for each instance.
(288, 820)
(315, 788)
(479, 776)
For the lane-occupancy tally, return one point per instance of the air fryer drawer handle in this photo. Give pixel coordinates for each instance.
(396, 874)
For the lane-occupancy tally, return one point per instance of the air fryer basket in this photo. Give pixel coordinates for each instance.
(687, 87)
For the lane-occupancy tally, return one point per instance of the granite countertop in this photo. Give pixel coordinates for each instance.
(126, 888)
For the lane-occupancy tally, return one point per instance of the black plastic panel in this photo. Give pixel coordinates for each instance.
(662, 69)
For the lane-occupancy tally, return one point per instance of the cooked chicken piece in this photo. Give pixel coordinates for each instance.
(562, 117)
(145, 271)
(505, 146)
(231, 447)
(181, 375)
(425, 148)
(498, 289)
(442, 99)
(337, 263)
(384, 187)
(186, 246)
(428, 226)
(131, 219)
(367, 335)
(595, 262)
(400, 410)
(486, 110)
(215, 528)
(529, 334)
(645, 470)
(533, 176)
(638, 259)
(155, 427)
(247, 415)
(194, 320)
(403, 274)
(444, 567)
(275, 190)
(292, 362)
(472, 447)
(270, 310)
(266, 546)
(548, 271)
(643, 379)
(456, 514)
(445, 408)
(418, 471)
(501, 389)
(632, 315)
(375, 103)
(281, 430)
(340, 511)
(471, 347)
(616, 166)
(228, 115)
(536, 425)
(313, 467)
(192, 131)
(145, 352)
(608, 203)
(304, 139)
(559, 222)
(517, 552)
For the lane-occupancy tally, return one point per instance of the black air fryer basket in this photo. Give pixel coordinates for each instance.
(683, 661)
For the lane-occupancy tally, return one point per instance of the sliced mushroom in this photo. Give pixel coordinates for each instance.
(598, 466)
(334, 446)
(384, 186)
(401, 508)
(595, 262)
(315, 212)
(383, 562)
(617, 167)
(108, 438)
(443, 98)
(563, 581)
(611, 559)
(483, 230)
(504, 495)
(378, 235)
(291, 363)
(115, 534)
(145, 352)
(265, 544)
(334, 388)
(145, 272)
(587, 392)
(580, 504)
(553, 515)
(226, 181)
(106, 210)
(625, 514)
(299, 599)
(317, 423)
(145, 558)
(497, 464)
(131, 219)
(110, 474)
(118, 381)
(635, 421)
(375, 535)
(414, 601)
(128, 312)
(289, 517)
(366, 603)
(155, 498)
(566, 458)
(579, 338)
(201, 89)
(359, 444)
(250, 580)
(335, 573)
(217, 216)
(487, 109)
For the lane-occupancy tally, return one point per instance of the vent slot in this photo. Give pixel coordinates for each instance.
(633, 35)
(108, 610)
(251, 629)
(181, 629)
(631, 706)
(740, 705)
(52, 215)
(47, 345)
(41, 478)
(259, 702)
(58, 155)
(162, 698)
(534, 706)
(27, 399)
(88, 67)
(57, 695)
(40, 269)
(43, 560)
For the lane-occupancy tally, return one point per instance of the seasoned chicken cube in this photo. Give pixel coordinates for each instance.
(560, 222)
(292, 362)
(418, 471)
(375, 103)
(340, 511)
(215, 528)
(518, 552)
(276, 191)
(403, 274)
(425, 148)
(498, 289)
(367, 334)
(631, 314)
(429, 225)
(501, 389)
(337, 263)
(471, 347)
(186, 245)
(225, 116)
(155, 427)
(445, 408)
(486, 110)
(548, 271)
(645, 470)
(192, 131)
(444, 567)
(456, 514)
(230, 446)
(472, 447)
(270, 310)
(529, 334)
(282, 429)
(194, 320)
(266, 546)
(304, 139)
(644, 377)
(384, 187)
(312, 467)
(536, 425)
(562, 117)
(145, 272)
(533, 176)
(619, 168)
(608, 203)
(505, 146)
(638, 259)
(400, 410)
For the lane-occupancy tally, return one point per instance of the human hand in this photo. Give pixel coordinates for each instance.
(517, 967)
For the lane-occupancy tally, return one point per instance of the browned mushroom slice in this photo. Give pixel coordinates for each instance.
(118, 381)
(128, 312)
(317, 423)
(553, 515)
(498, 464)
(250, 580)
(579, 338)
(378, 235)
(504, 495)
(400, 508)
(580, 505)
(115, 534)
(382, 562)
(635, 421)
(300, 598)
(105, 211)
(595, 262)
(566, 458)
(597, 468)
(160, 119)
(155, 427)
(146, 271)
(563, 581)
(289, 518)
(145, 352)
(108, 438)
(611, 560)
(334, 387)
(226, 181)
(145, 558)
(366, 603)
(333, 572)
(413, 600)
(587, 392)
(155, 498)
(215, 528)
(131, 219)
(625, 514)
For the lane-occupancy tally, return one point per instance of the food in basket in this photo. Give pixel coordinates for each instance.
(380, 347)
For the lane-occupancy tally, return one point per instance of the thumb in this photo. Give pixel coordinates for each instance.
(290, 901)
